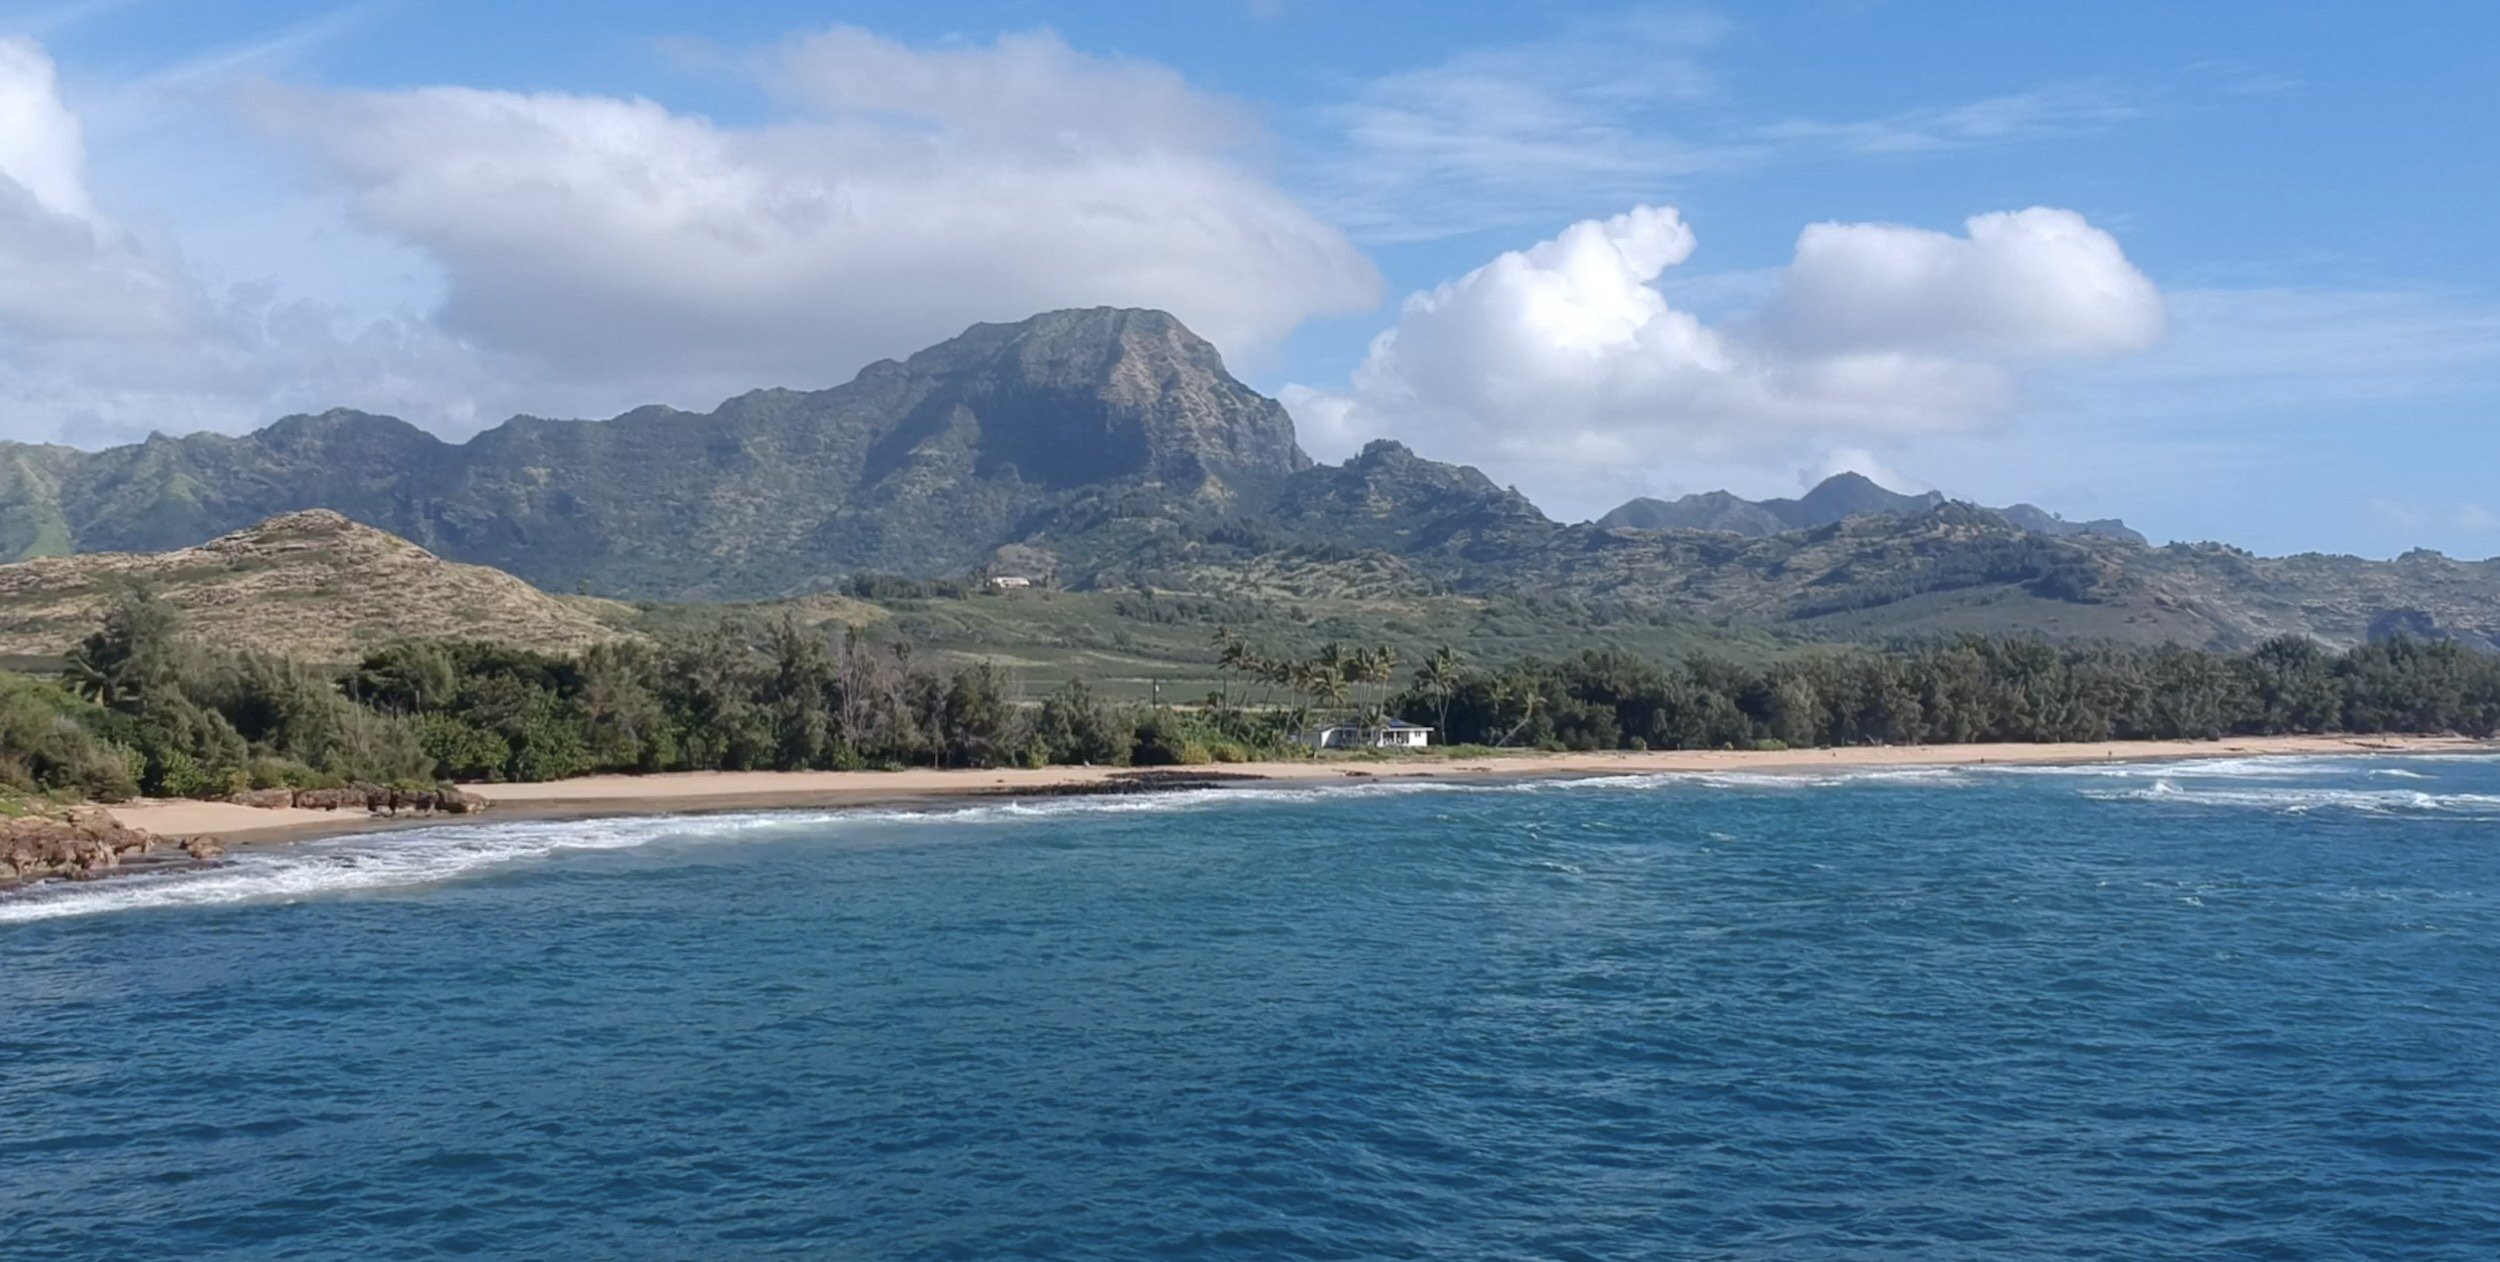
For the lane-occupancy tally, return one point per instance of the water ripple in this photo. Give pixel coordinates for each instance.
(1946, 1015)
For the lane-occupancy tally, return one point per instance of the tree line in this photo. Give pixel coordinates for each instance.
(1968, 689)
(141, 708)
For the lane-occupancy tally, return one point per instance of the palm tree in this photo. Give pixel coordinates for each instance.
(1527, 715)
(1377, 667)
(1232, 657)
(1325, 679)
(1440, 675)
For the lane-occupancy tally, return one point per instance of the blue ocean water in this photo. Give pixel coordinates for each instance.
(2212, 1010)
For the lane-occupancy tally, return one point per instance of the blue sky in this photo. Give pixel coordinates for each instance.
(2227, 274)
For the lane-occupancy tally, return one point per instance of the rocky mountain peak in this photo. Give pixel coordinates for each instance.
(1851, 494)
(1085, 396)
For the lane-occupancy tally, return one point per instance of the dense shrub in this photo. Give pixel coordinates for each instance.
(139, 709)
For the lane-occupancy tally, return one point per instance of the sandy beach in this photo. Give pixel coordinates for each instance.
(594, 796)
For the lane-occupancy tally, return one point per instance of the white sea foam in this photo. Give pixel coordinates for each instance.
(428, 856)
(1767, 780)
(421, 857)
(2297, 801)
(2273, 767)
(347, 865)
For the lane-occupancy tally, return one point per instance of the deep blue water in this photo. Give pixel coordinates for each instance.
(2222, 1010)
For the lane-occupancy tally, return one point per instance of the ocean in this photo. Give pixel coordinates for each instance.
(2219, 1009)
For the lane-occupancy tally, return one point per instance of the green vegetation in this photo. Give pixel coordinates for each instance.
(1139, 644)
(1973, 688)
(141, 708)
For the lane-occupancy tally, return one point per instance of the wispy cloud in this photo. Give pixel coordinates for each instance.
(1610, 111)
(1503, 135)
(2464, 519)
(2279, 350)
(2061, 110)
(266, 53)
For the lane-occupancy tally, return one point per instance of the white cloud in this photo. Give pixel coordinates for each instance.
(71, 275)
(1029, 88)
(2023, 283)
(922, 191)
(1506, 134)
(1617, 108)
(2067, 109)
(568, 254)
(42, 149)
(1564, 366)
(105, 335)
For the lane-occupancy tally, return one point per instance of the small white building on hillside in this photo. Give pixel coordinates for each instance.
(1394, 734)
(1010, 582)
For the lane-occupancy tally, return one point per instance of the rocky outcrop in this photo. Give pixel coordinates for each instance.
(81, 845)
(442, 799)
(351, 798)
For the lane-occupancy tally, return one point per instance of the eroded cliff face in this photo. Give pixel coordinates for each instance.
(926, 465)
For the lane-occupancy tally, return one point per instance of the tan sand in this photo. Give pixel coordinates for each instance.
(772, 790)
(182, 817)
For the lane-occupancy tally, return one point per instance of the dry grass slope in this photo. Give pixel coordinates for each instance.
(311, 584)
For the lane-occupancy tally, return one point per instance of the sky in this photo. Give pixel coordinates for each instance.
(2225, 271)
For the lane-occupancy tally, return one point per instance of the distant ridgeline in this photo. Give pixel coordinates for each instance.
(1834, 500)
(1112, 448)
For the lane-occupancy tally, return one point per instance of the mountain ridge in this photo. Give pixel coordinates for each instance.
(1111, 448)
(1836, 498)
(918, 464)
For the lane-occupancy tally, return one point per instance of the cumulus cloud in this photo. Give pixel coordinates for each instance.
(41, 146)
(1564, 365)
(2035, 282)
(105, 334)
(917, 192)
(579, 254)
(72, 276)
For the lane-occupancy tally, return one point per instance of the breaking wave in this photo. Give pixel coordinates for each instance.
(2301, 801)
(428, 856)
(2268, 767)
(415, 858)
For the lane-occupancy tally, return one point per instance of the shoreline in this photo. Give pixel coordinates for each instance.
(718, 792)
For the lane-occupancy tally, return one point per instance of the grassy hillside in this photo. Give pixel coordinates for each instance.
(1126, 644)
(312, 585)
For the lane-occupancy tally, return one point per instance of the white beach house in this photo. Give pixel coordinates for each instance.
(1394, 734)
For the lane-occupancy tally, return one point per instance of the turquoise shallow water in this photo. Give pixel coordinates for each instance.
(2242, 1010)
